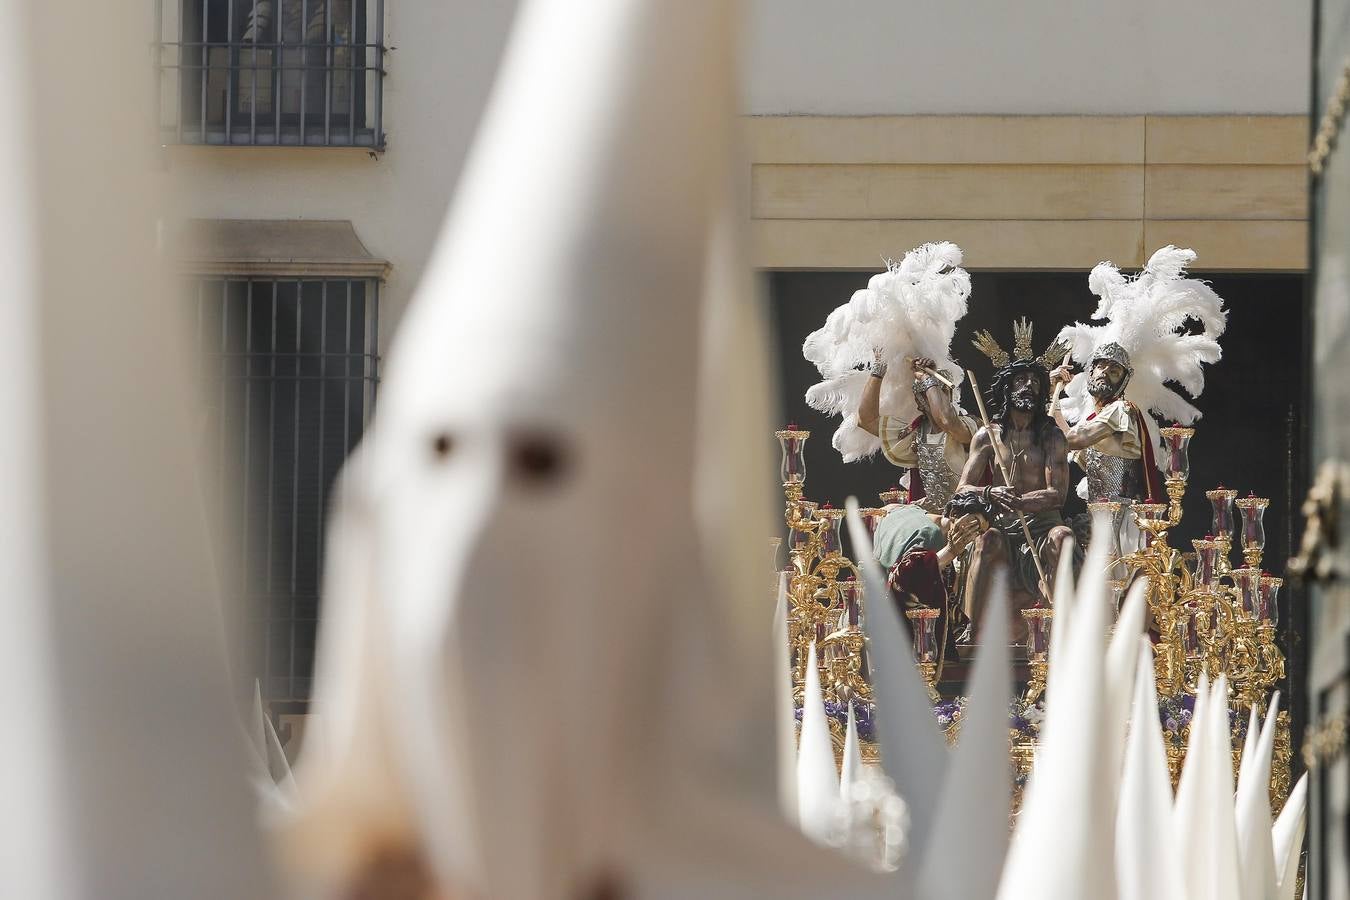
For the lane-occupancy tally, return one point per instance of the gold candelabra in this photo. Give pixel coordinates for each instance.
(1209, 616)
(823, 608)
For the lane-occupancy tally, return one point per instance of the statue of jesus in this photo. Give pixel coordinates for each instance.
(1032, 449)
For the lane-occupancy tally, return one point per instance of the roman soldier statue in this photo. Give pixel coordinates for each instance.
(933, 445)
(1157, 328)
(885, 360)
(1110, 444)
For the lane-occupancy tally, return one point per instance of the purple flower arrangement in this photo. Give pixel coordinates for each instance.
(1176, 714)
(948, 711)
(862, 714)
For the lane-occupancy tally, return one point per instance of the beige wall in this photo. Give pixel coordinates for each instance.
(441, 62)
(1034, 192)
(1057, 57)
(1029, 192)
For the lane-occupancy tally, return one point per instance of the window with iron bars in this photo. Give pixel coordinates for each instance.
(272, 72)
(291, 369)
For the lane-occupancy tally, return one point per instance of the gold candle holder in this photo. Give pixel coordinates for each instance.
(1176, 466)
(1116, 589)
(793, 466)
(872, 517)
(923, 625)
(1221, 500)
(896, 494)
(1039, 621)
(1247, 584)
(1112, 511)
(830, 520)
(1152, 520)
(1253, 511)
(1206, 563)
(1268, 592)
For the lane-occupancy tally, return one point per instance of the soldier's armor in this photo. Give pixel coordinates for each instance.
(939, 481)
(1113, 477)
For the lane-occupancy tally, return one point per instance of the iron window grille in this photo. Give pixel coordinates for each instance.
(271, 72)
(291, 369)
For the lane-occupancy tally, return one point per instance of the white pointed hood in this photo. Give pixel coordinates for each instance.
(817, 778)
(1221, 855)
(914, 756)
(970, 833)
(1122, 655)
(1144, 844)
(113, 681)
(1256, 849)
(851, 769)
(555, 636)
(1068, 803)
(1287, 835)
(273, 780)
(1189, 813)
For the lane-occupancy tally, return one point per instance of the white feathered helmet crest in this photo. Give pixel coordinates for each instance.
(908, 311)
(1168, 327)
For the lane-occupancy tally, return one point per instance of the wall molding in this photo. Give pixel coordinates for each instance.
(1029, 192)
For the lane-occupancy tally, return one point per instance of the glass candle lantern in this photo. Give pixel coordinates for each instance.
(1206, 562)
(850, 601)
(829, 519)
(1253, 528)
(799, 540)
(1176, 448)
(1189, 627)
(1108, 512)
(872, 518)
(1116, 593)
(1150, 512)
(1248, 583)
(896, 494)
(1267, 608)
(1039, 620)
(1221, 499)
(793, 466)
(923, 624)
(1151, 518)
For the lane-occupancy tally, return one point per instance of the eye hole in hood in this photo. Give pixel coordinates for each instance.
(538, 459)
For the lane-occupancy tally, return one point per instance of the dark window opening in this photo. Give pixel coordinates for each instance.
(273, 72)
(291, 369)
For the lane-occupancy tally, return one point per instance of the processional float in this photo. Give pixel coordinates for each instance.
(1208, 615)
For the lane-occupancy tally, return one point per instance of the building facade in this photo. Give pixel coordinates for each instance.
(313, 147)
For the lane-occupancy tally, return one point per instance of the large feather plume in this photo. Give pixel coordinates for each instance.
(908, 311)
(1152, 316)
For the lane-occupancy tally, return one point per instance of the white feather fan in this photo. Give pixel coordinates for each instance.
(908, 311)
(1152, 316)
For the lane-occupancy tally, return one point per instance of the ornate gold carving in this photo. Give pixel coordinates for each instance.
(1330, 124)
(1322, 529)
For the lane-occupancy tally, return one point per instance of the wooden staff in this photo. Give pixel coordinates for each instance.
(1007, 479)
(938, 375)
